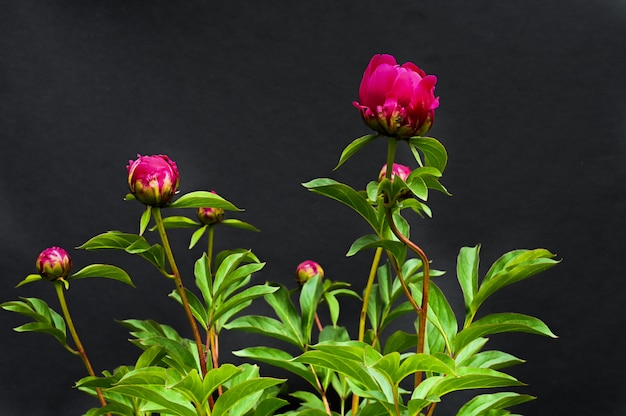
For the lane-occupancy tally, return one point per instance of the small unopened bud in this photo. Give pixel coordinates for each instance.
(398, 170)
(307, 270)
(54, 263)
(210, 216)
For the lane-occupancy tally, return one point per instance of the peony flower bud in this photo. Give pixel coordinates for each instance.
(307, 270)
(397, 100)
(54, 263)
(153, 180)
(399, 170)
(210, 216)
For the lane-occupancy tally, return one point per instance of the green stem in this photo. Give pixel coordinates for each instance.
(209, 252)
(421, 335)
(180, 287)
(391, 155)
(58, 285)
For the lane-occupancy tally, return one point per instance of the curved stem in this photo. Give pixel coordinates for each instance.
(58, 285)
(421, 335)
(321, 390)
(180, 287)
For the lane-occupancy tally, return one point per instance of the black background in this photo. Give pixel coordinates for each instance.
(253, 98)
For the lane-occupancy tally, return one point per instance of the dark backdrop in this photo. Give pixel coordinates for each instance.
(253, 98)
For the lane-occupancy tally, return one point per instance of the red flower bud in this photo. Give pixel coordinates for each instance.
(54, 263)
(210, 216)
(153, 180)
(398, 170)
(397, 100)
(307, 270)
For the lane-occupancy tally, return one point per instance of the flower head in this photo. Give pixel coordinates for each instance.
(210, 216)
(54, 263)
(153, 180)
(397, 100)
(398, 170)
(307, 270)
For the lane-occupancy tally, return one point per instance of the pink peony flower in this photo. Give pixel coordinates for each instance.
(399, 170)
(397, 100)
(54, 263)
(307, 270)
(209, 216)
(153, 180)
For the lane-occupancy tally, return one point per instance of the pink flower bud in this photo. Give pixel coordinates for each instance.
(398, 170)
(397, 100)
(210, 216)
(54, 263)
(307, 270)
(153, 180)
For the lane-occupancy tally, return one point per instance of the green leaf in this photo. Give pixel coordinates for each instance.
(242, 298)
(195, 237)
(29, 279)
(241, 392)
(287, 313)
(502, 322)
(268, 407)
(351, 368)
(519, 266)
(177, 221)
(346, 195)
(422, 362)
(435, 154)
(131, 243)
(175, 402)
(465, 379)
(106, 271)
(482, 404)
(218, 376)
(400, 341)
(145, 219)
(239, 224)
(278, 358)
(371, 241)
(203, 199)
(266, 326)
(417, 185)
(197, 309)
(491, 359)
(310, 296)
(354, 147)
(467, 272)
(46, 319)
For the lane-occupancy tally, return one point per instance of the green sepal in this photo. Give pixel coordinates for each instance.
(354, 147)
(106, 271)
(202, 199)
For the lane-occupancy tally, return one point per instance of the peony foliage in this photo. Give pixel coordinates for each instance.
(370, 370)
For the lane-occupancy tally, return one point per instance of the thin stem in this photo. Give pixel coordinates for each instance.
(392, 144)
(421, 335)
(391, 155)
(58, 285)
(180, 287)
(321, 390)
(431, 409)
(209, 252)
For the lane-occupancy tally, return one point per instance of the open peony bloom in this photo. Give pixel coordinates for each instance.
(307, 270)
(153, 180)
(54, 263)
(401, 171)
(397, 100)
